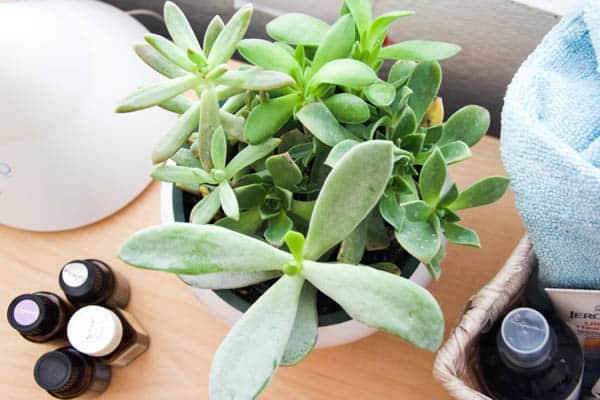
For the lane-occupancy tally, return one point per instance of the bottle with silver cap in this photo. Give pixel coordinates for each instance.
(66, 373)
(526, 356)
(113, 335)
(87, 282)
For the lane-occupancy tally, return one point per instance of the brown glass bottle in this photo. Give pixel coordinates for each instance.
(88, 282)
(39, 317)
(66, 373)
(113, 335)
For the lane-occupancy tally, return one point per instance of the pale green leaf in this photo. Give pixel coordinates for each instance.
(345, 72)
(249, 155)
(228, 280)
(485, 191)
(232, 125)
(197, 249)
(267, 55)
(151, 95)
(214, 28)
(359, 178)
(229, 201)
(455, 152)
(425, 82)
(170, 51)
(380, 93)
(251, 195)
(252, 350)
(348, 108)
(339, 150)
(178, 104)
(304, 334)
(169, 143)
(184, 175)
(377, 234)
(420, 239)
(337, 43)
(448, 197)
(225, 44)
(461, 235)
(284, 171)
(185, 158)
(469, 125)
(278, 227)
(391, 211)
(268, 118)
(434, 266)
(401, 71)
(432, 178)
(378, 28)
(387, 302)
(218, 148)
(208, 124)
(248, 223)
(179, 28)
(352, 247)
(205, 210)
(296, 28)
(156, 61)
(255, 79)
(361, 11)
(419, 50)
(317, 118)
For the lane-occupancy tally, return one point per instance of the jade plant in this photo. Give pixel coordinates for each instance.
(302, 163)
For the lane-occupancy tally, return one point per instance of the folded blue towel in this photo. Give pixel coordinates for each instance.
(551, 149)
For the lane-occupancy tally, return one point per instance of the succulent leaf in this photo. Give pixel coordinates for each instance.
(184, 175)
(361, 11)
(345, 72)
(339, 150)
(425, 82)
(432, 178)
(284, 171)
(205, 210)
(461, 235)
(483, 192)
(229, 201)
(317, 118)
(214, 28)
(209, 122)
(151, 95)
(296, 28)
(228, 280)
(268, 118)
(179, 28)
(255, 79)
(469, 125)
(250, 154)
(419, 50)
(157, 62)
(378, 28)
(304, 333)
(267, 55)
(337, 43)
(348, 108)
(278, 227)
(171, 142)
(248, 222)
(225, 44)
(170, 51)
(455, 152)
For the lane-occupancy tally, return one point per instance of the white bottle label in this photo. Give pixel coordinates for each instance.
(74, 274)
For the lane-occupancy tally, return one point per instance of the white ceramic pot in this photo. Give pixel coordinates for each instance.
(330, 335)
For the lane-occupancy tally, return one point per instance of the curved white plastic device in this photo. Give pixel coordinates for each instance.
(66, 158)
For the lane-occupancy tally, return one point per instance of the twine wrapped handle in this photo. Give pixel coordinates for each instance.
(456, 363)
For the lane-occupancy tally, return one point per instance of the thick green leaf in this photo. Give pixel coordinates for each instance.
(345, 72)
(339, 150)
(317, 118)
(284, 171)
(151, 95)
(413, 142)
(337, 43)
(377, 234)
(209, 122)
(185, 158)
(169, 143)
(248, 223)
(214, 28)
(455, 152)
(425, 82)
(387, 267)
(170, 51)
(434, 134)
(302, 209)
(432, 178)
(304, 334)
(278, 227)
(401, 71)
(229, 201)
(469, 125)
(419, 50)
(249, 155)
(232, 125)
(267, 55)
(268, 118)
(197, 249)
(178, 104)
(348, 108)
(448, 197)
(387, 302)
(296, 28)
(461, 235)
(205, 210)
(380, 93)
(434, 266)
(361, 11)
(391, 211)
(358, 180)
(218, 148)
(185, 175)
(228, 39)
(378, 28)
(352, 247)
(250, 196)
(252, 350)
(179, 28)
(255, 79)
(228, 280)
(485, 191)
(157, 62)
(417, 210)
(407, 124)
(420, 239)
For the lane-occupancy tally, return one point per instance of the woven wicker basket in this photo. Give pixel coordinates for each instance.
(456, 363)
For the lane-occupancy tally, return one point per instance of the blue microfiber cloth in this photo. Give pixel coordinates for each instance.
(551, 149)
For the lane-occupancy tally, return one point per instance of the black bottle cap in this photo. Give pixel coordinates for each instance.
(33, 314)
(60, 371)
(84, 281)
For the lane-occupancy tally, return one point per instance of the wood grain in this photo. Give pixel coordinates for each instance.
(184, 335)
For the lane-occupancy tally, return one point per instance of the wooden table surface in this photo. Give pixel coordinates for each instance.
(185, 336)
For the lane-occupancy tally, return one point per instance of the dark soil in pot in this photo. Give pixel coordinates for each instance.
(329, 311)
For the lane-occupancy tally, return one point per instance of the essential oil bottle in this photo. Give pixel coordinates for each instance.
(87, 282)
(66, 373)
(39, 317)
(527, 357)
(114, 336)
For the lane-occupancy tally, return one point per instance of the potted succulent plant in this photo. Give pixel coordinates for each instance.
(306, 182)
